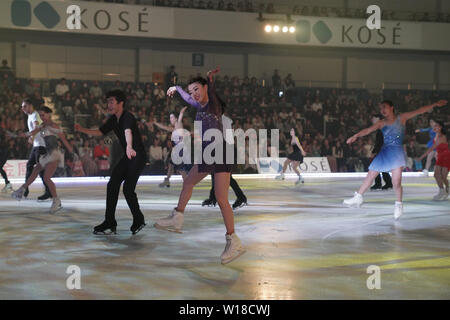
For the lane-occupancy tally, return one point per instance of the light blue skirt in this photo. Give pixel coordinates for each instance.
(388, 159)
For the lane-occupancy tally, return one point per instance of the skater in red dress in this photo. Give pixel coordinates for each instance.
(443, 160)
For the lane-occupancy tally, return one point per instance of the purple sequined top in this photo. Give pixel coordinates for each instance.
(210, 114)
(211, 117)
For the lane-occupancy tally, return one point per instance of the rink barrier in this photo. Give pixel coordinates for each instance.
(178, 178)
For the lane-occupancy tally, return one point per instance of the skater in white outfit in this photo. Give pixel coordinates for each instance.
(176, 128)
(50, 132)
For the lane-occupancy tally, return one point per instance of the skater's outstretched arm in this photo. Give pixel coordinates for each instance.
(161, 126)
(365, 132)
(408, 115)
(215, 106)
(89, 132)
(184, 95)
(437, 141)
(179, 123)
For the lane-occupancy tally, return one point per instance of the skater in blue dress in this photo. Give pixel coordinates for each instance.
(391, 156)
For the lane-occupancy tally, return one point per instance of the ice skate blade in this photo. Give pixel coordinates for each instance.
(56, 210)
(157, 226)
(240, 206)
(104, 233)
(234, 258)
(352, 205)
(138, 229)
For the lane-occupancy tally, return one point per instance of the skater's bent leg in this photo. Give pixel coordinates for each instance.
(191, 180)
(33, 175)
(49, 170)
(371, 175)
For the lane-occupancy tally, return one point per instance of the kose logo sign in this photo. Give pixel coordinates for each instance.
(134, 18)
(320, 30)
(21, 14)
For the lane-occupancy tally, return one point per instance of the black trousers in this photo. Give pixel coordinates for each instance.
(233, 184)
(33, 159)
(3, 159)
(386, 177)
(128, 172)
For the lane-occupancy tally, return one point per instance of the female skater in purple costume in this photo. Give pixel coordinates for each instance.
(202, 95)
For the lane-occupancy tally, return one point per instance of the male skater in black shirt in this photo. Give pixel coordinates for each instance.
(129, 168)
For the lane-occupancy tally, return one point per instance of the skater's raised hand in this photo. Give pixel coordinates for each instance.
(211, 73)
(441, 103)
(351, 139)
(130, 152)
(171, 91)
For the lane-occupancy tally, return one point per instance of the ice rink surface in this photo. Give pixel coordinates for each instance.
(301, 244)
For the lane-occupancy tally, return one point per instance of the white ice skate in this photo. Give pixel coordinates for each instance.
(18, 194)
(356, 201)
(56, 205)
(439, 195)
(233, 249)
(173, 223)
(425, 172)
(7, 188)
(280, 177)
(398, 209)
(300, 180)
(165, 183)
(444, 195)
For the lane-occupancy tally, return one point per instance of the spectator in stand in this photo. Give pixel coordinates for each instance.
(30, 86)
(74, 91)
(17, 87)
(172, 76)
(61, 89)
(117, 86)
(230, 6)
(96, 90)
(201, 5)
(158, 93)
(249, 6)
(240, 6)
(221, 5)
(5, 69)
(276, 80)
(101, 155)
(317, 105)
(411, 156)
(37, 100)
(270, 8)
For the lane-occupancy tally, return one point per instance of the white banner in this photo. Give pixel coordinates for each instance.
(214, 25)
(15, 168)
(309, 165)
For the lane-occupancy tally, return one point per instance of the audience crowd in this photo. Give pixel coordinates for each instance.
(322, 117)
(288, 7)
